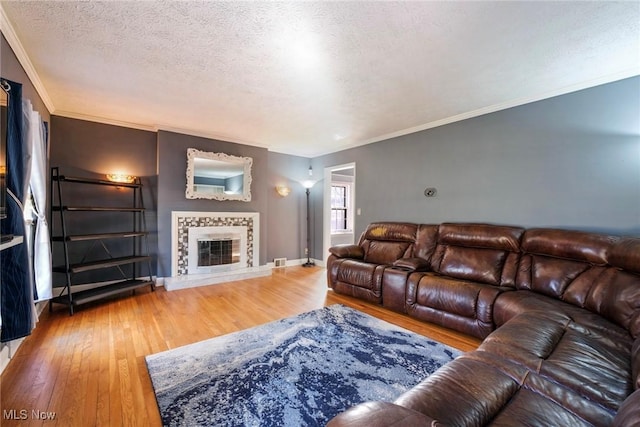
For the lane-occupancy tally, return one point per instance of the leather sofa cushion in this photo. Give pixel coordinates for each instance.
(552, 276)
(391, 232)
(463, 305)
(583, 269)
(479, 252)
(347, 251)
(480, 265)
(629, 412)
(385, 242)
(358, 273)
(426, 241)
(464, 392)
(541, 402)
(355, 278)
(575, 245)
(381, 414)
(488, 236)
(412, 264)
(594, 364)
(481, 388)
(461, 297)
(511, 304)
(383, 252)
(625, 254)
(616, 297)
(605, 291)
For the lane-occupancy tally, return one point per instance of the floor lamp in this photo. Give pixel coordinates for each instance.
(307, 185)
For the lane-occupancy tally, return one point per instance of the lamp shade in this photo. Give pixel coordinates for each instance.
(308, 183)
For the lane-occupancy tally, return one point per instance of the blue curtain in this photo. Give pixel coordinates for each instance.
(15, 292)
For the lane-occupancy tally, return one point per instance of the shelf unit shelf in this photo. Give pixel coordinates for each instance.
(96, 209)
(136, 233)
(104, 291)
(99, 236)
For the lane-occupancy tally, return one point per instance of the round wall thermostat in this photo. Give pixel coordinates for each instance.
(430, 192)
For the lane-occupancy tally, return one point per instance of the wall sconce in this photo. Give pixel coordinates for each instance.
(283, 190)
(119, 177)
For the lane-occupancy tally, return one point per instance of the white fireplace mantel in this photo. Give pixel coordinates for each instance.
(181, 221)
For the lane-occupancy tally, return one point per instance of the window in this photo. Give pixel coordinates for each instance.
(340, 201)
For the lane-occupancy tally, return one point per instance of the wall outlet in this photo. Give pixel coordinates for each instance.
(279, 262)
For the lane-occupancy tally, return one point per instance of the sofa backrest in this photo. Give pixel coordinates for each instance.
(480, 252)
(386, 242)
(426, 241)
(596, 272)
(616, 295)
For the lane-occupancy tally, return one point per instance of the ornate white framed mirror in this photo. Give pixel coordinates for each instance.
(218, 176)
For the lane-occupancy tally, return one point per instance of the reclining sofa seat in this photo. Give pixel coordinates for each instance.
(471, 265)
(357, 270)
(566, 351)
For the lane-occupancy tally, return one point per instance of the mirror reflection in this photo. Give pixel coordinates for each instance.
(218, 176)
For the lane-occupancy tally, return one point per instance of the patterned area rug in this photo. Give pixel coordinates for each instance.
(300, 371)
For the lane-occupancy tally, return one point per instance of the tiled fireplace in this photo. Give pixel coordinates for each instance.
(213, 247)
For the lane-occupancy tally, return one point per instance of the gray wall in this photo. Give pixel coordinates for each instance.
(11, 69)
(571, 161)
(84, 148)
(287, 215)
(101, 148)
(172, 181)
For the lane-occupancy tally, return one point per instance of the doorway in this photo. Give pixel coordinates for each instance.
(338, 213)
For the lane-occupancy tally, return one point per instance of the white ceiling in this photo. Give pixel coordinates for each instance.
(309, 78)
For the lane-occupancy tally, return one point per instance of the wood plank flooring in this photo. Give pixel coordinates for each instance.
(89, 369)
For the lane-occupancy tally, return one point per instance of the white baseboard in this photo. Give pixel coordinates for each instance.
(196, 280)
(294, 262)
(180, 282)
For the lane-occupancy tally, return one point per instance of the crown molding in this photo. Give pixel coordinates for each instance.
(155, 128)
(610, 78)
(105, 121)
(209, 135)
(13, 40)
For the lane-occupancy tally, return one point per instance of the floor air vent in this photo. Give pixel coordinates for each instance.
(279, 262)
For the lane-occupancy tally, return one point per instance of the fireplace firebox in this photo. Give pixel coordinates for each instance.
(221, 251)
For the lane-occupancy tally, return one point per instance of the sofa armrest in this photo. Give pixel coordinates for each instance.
(628, 413)
(347, 251)
(373, 414)
(413, 264)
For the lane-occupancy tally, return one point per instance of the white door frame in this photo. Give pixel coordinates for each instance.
(326, 205)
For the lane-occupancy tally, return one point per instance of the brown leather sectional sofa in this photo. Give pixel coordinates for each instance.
(558, 310)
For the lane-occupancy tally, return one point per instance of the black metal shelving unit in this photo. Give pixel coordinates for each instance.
(137, 234)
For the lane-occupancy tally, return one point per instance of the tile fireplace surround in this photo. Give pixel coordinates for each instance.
(181, 222)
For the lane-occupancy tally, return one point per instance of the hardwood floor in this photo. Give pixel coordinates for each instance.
(89, 369)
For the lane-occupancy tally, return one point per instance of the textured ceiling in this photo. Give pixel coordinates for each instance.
(308, 78)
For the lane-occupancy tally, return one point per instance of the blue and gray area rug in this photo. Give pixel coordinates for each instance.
(300, 371)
